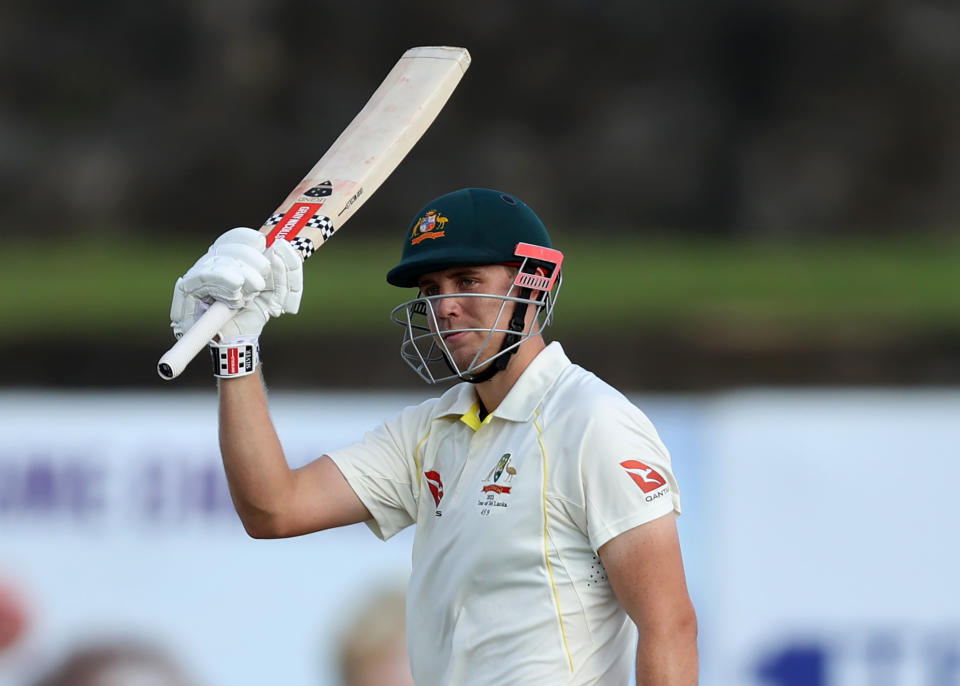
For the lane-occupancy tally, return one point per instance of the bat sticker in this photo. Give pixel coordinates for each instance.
(295, 219)
(320, 191)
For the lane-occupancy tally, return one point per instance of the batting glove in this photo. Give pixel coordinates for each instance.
(237, 271)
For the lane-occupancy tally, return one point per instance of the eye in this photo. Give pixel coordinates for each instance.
(429, 290)
(468, 282)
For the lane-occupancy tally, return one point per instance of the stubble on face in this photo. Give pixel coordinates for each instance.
(478, 314)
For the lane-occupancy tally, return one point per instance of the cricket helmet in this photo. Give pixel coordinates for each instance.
(471, 227)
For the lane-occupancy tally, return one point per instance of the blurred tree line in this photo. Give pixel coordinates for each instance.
(781, 118)
(741, 120)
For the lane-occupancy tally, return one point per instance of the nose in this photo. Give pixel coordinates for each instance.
(447, 307)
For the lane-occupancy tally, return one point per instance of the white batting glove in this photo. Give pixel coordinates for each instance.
(238, 272)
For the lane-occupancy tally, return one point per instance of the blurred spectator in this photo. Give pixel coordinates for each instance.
(372, 649)
(13, 616)
(116, 663)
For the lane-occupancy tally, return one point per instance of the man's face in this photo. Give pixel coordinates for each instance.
(453, 312)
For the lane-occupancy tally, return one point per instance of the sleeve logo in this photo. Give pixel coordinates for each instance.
(647, 478)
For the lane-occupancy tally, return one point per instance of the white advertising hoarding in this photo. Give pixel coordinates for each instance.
(833, 539)
(115, 520)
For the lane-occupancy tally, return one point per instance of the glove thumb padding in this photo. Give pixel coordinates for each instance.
(288, 273)
(242, 235)
(234, 270)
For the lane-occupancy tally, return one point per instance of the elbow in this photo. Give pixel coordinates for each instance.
(685, 630)
(688, 630)
(683, 626)
(679, 629)
(261, 525)
(257, 532)
(669, 650)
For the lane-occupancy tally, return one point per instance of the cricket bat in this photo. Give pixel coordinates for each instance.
(361, 159)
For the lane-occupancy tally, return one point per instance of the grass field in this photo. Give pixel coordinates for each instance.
(118, 287)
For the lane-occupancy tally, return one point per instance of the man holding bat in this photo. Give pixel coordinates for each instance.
(544, 500)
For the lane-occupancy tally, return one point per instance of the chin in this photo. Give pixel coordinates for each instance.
(463, 356)
(479, 368)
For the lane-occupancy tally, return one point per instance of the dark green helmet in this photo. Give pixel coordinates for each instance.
(471, 226)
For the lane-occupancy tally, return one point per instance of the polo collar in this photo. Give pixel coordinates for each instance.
(535, 382)
(521, 401)
(472, 417)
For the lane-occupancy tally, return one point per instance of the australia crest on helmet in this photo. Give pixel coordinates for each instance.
(430, 225)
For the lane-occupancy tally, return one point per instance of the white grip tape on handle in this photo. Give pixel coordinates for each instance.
(175, 360)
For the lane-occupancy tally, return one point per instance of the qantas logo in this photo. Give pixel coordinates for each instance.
(436, 486)
(647, 478)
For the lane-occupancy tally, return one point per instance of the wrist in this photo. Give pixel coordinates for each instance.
(235, 356)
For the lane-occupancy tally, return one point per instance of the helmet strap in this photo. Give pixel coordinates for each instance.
(511, 339)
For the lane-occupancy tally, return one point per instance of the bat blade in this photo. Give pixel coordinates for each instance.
(356, 164)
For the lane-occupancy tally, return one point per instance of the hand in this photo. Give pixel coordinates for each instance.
(238, 272)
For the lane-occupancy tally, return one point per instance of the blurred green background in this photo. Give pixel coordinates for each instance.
(746, 194)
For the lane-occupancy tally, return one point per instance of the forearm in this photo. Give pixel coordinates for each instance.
(668, 658)
(257, 471)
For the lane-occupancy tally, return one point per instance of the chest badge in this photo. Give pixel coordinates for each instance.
(502, 467)
(495, 484)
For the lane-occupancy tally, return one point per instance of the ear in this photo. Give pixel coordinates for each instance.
(539, 295)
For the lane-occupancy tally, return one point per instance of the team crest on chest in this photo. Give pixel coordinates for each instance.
(496, 485)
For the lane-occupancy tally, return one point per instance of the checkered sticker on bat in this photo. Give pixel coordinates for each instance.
(274, 219)
(304, 246)
(318, 221)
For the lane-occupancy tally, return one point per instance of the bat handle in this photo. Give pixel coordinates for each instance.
(175, 360)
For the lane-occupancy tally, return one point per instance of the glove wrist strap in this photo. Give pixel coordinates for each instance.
(236, 356)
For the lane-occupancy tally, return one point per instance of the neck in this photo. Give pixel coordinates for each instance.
(492, 392)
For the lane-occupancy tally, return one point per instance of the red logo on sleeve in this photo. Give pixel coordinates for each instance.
(647, 478)
(436, 486)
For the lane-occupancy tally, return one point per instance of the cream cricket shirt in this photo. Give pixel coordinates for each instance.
(507, 587)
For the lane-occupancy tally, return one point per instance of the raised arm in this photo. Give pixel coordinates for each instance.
(645, 570)
(272, 500)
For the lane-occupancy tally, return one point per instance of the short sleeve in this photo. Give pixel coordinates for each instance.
(625, 471)
(381, 471)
